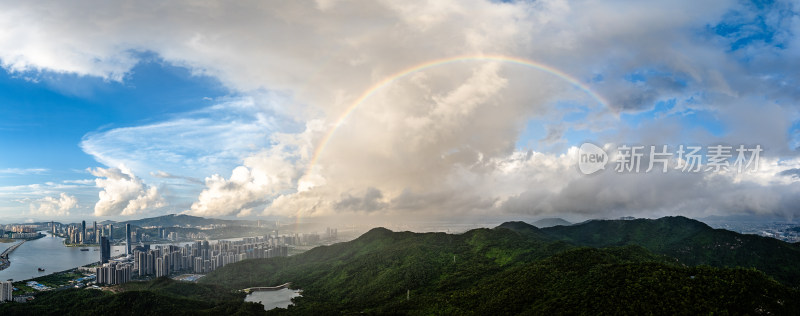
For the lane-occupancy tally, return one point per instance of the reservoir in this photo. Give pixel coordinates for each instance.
(273, 299)
(50, 254)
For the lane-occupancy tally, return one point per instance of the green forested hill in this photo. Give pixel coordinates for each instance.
(612, 267)
(691, 242)
(515, 268)
(158, 297)
(626, 280)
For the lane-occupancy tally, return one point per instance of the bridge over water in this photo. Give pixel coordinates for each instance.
(8, 251)
(4, 262)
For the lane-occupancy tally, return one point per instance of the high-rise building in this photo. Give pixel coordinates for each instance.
(113, 273)
(105, 250)
(96, 233)
(160, 267)
(6, 291)
(128, 237)
(110, 232)
(83, 232)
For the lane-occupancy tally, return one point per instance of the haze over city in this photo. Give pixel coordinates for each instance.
(387, 110)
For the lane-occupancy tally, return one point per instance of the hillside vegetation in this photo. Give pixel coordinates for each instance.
(158, 297)
(515, 268)
(691, 242)
(665, 266)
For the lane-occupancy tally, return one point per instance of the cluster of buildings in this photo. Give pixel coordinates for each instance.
(114, 273)
(86, 235)
(22, 228)
(14, 235)
(198, 257)
(79, 234)
(332, 233)
(19, 231)
(788, 231)
(37, 286)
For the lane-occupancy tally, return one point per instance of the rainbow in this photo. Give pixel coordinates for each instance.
(440, 62)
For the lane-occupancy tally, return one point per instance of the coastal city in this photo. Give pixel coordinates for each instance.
(122, 252)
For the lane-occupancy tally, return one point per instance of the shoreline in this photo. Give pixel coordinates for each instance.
(5, 262)
(97, 246)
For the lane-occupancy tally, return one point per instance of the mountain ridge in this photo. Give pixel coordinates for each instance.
(512, 268)
(691, 242)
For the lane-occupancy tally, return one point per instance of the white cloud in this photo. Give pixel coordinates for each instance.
(38, 190)
(261, 177)
(199, 143)
(20, 171)
(80, 181)
(165, 175)
(549, 185)
(50, 206)
(123, 193)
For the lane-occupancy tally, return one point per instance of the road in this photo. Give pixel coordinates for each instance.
(4, 262)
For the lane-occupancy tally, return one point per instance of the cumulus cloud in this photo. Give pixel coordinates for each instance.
(555, 186)
(441, 140)
(123, 193)
(50, 206)
(250, 185)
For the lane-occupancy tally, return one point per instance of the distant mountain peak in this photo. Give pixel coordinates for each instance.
(523, 229)
(550, 222)
(375, 233)
(516, 225)
(668, 220)
(682, 220)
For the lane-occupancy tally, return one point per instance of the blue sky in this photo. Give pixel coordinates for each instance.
(45, 115)
(223, 110)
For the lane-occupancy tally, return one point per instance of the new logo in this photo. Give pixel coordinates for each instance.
(591, 158)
